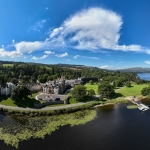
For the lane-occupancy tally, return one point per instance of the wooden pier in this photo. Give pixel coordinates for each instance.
(141, 106)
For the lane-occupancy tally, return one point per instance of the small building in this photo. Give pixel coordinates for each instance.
(87, 79)
(34, 87)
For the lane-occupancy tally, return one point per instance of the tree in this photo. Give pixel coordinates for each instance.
(2, 79)
(91, 82)
(128, 84)
(145, 91)
(91, 92)
(20, 93)
(14, 81)
(106, 90)
(79, 92)
(118, 83)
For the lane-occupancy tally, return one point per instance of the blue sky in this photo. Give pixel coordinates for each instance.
(108, 34)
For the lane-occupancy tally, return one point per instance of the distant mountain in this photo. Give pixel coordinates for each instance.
(135, 69)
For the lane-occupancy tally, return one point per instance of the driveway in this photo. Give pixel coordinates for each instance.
(45, 96)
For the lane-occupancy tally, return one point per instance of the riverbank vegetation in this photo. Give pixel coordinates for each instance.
(16, 129)
(88, 105)
(132, 106)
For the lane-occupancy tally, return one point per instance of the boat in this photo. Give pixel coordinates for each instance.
(143, 107)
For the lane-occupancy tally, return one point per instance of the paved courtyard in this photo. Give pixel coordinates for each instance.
(45, 96)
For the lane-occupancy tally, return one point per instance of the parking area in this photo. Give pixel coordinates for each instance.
(48, 97)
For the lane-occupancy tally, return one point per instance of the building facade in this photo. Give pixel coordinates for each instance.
(7, 89)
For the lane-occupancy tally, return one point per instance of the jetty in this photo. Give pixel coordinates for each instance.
(135, 101)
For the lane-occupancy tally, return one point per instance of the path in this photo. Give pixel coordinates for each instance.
(45, 108)
(131, 98)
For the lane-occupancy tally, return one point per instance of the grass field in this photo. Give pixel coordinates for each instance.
(130, 91)
(9, 102)
(8, 65)
(72, 101)
(92, 86)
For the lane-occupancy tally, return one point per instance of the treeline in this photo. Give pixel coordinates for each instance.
(33, 72)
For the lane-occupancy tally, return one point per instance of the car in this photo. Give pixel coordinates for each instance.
(57, 99)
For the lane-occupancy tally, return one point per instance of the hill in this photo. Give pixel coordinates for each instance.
(135, 69)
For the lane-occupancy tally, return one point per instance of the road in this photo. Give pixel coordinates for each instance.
(45, 108)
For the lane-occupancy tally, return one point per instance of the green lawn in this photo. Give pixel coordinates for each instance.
(130, 91)
(92, 86)
(72, 101)
(8, 65)
(9, 102)
(34, 95)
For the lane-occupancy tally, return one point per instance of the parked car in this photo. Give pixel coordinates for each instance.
(57, 99)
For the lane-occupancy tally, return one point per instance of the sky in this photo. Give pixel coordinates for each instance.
(109, 34)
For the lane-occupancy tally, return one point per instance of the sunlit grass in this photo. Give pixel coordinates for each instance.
(8, 65)
(134, 90)
(132, 106)
(9, 102)
(92, 86)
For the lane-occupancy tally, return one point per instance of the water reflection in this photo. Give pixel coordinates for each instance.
(116, 129)
(109, 107)
(146, 101)
(1, 117)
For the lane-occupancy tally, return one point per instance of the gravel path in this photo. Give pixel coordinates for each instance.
(45, 108)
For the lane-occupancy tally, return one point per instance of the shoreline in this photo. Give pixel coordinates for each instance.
(103, 105)
(136, 99)
(64, 109)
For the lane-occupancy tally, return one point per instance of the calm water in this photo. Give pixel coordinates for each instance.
(144, 76)
(115, 128)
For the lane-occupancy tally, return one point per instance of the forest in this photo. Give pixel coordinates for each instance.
(31, 73)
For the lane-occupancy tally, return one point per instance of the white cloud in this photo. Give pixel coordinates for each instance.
(92, 29)
(38, 25)
(77, 56)
(29, 46)
(12, 54)
(95, 58)
(147, 62)
(95, 29)
(13, 41)
(49, 52)
(29, 52)
(62, 55)
(106, 67)
(136, 48)
(44, 56)
(68, 60)
(37, 58)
